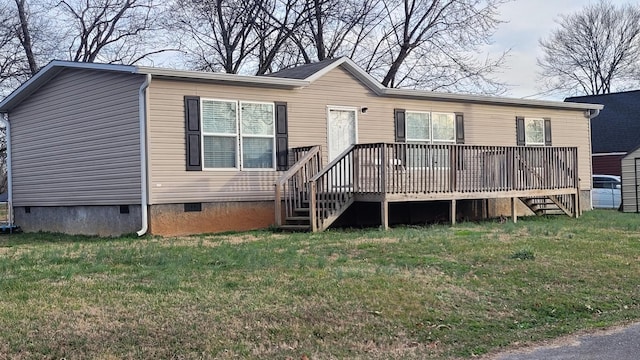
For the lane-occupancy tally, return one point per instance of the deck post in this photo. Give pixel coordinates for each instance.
(383, 168)
(278, 205)
(312, 207)
(384, 214)
(453, 212)
(514, 213)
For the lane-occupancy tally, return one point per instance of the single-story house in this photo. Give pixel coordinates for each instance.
(111, 149)
(615, 131)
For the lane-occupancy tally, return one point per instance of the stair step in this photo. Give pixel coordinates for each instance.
(298, 218)
(289, 227)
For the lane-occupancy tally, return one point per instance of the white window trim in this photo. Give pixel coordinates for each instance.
(439, 141)
(238, 136)
(203, 134)
(526, 141)
(416, 140)
(341, 108)
(272, 136)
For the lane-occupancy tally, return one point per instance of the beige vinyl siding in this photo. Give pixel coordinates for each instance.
(76, 141)
(307, 109)
(629, 196)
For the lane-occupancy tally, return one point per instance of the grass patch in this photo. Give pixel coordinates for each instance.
(411, 292)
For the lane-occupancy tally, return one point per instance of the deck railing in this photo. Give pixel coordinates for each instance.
(292, 189)
(412, 169)
(422, 168)
(332, 190)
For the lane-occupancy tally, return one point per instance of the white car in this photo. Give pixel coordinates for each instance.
(606, 192)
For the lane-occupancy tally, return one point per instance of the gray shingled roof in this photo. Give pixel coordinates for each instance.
(302, 72)
(617, 128)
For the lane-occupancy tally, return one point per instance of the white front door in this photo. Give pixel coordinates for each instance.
(341, 130)
(341, 133)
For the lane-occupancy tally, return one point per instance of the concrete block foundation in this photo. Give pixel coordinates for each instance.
(79, 220)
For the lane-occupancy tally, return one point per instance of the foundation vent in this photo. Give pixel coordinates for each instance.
(192, 207)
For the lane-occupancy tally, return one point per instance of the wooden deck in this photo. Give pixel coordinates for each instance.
(314, 195)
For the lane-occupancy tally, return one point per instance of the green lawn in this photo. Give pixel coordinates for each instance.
(411, 292)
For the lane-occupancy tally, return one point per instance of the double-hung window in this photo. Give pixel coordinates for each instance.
(238, 135)
(257, 135)
(534, 131)
(429, 128)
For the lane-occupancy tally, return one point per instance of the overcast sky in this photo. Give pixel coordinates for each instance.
(527, 22)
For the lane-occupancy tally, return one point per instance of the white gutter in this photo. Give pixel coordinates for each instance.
(142, 112)
(5, 120)
(592, 113)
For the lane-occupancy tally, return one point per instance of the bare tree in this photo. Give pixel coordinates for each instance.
(334, 28)
(595, 50)
(433, 44)
(114, 31)
(24, 35)
(277, 23)
(218, 35)
(17, 59)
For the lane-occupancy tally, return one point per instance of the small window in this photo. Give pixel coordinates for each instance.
(534, 131)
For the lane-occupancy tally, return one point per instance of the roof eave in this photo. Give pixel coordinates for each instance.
(420, 94)
(262, 81)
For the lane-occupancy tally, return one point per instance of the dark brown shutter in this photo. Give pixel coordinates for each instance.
(547, 132)
(520, 136)
(400, 122)
(192, 132)
(282, 137)
(459, 128)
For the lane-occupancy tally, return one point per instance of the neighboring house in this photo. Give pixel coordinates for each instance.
(110, 149)
(616, 130)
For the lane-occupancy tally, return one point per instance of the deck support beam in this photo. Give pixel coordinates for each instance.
(453, 212)
(514, 212)
(384, 214)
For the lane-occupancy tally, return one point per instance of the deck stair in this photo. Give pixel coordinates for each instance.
(549, 205)
(329, 206)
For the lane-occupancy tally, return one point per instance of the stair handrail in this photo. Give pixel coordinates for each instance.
(298, 169)
(319, 223)
(568, 208)
(531, 170)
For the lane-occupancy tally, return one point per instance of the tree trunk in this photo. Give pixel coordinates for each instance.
(25, 37)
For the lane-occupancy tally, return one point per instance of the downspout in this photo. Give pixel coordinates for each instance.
(142, 113)
(5, 120)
